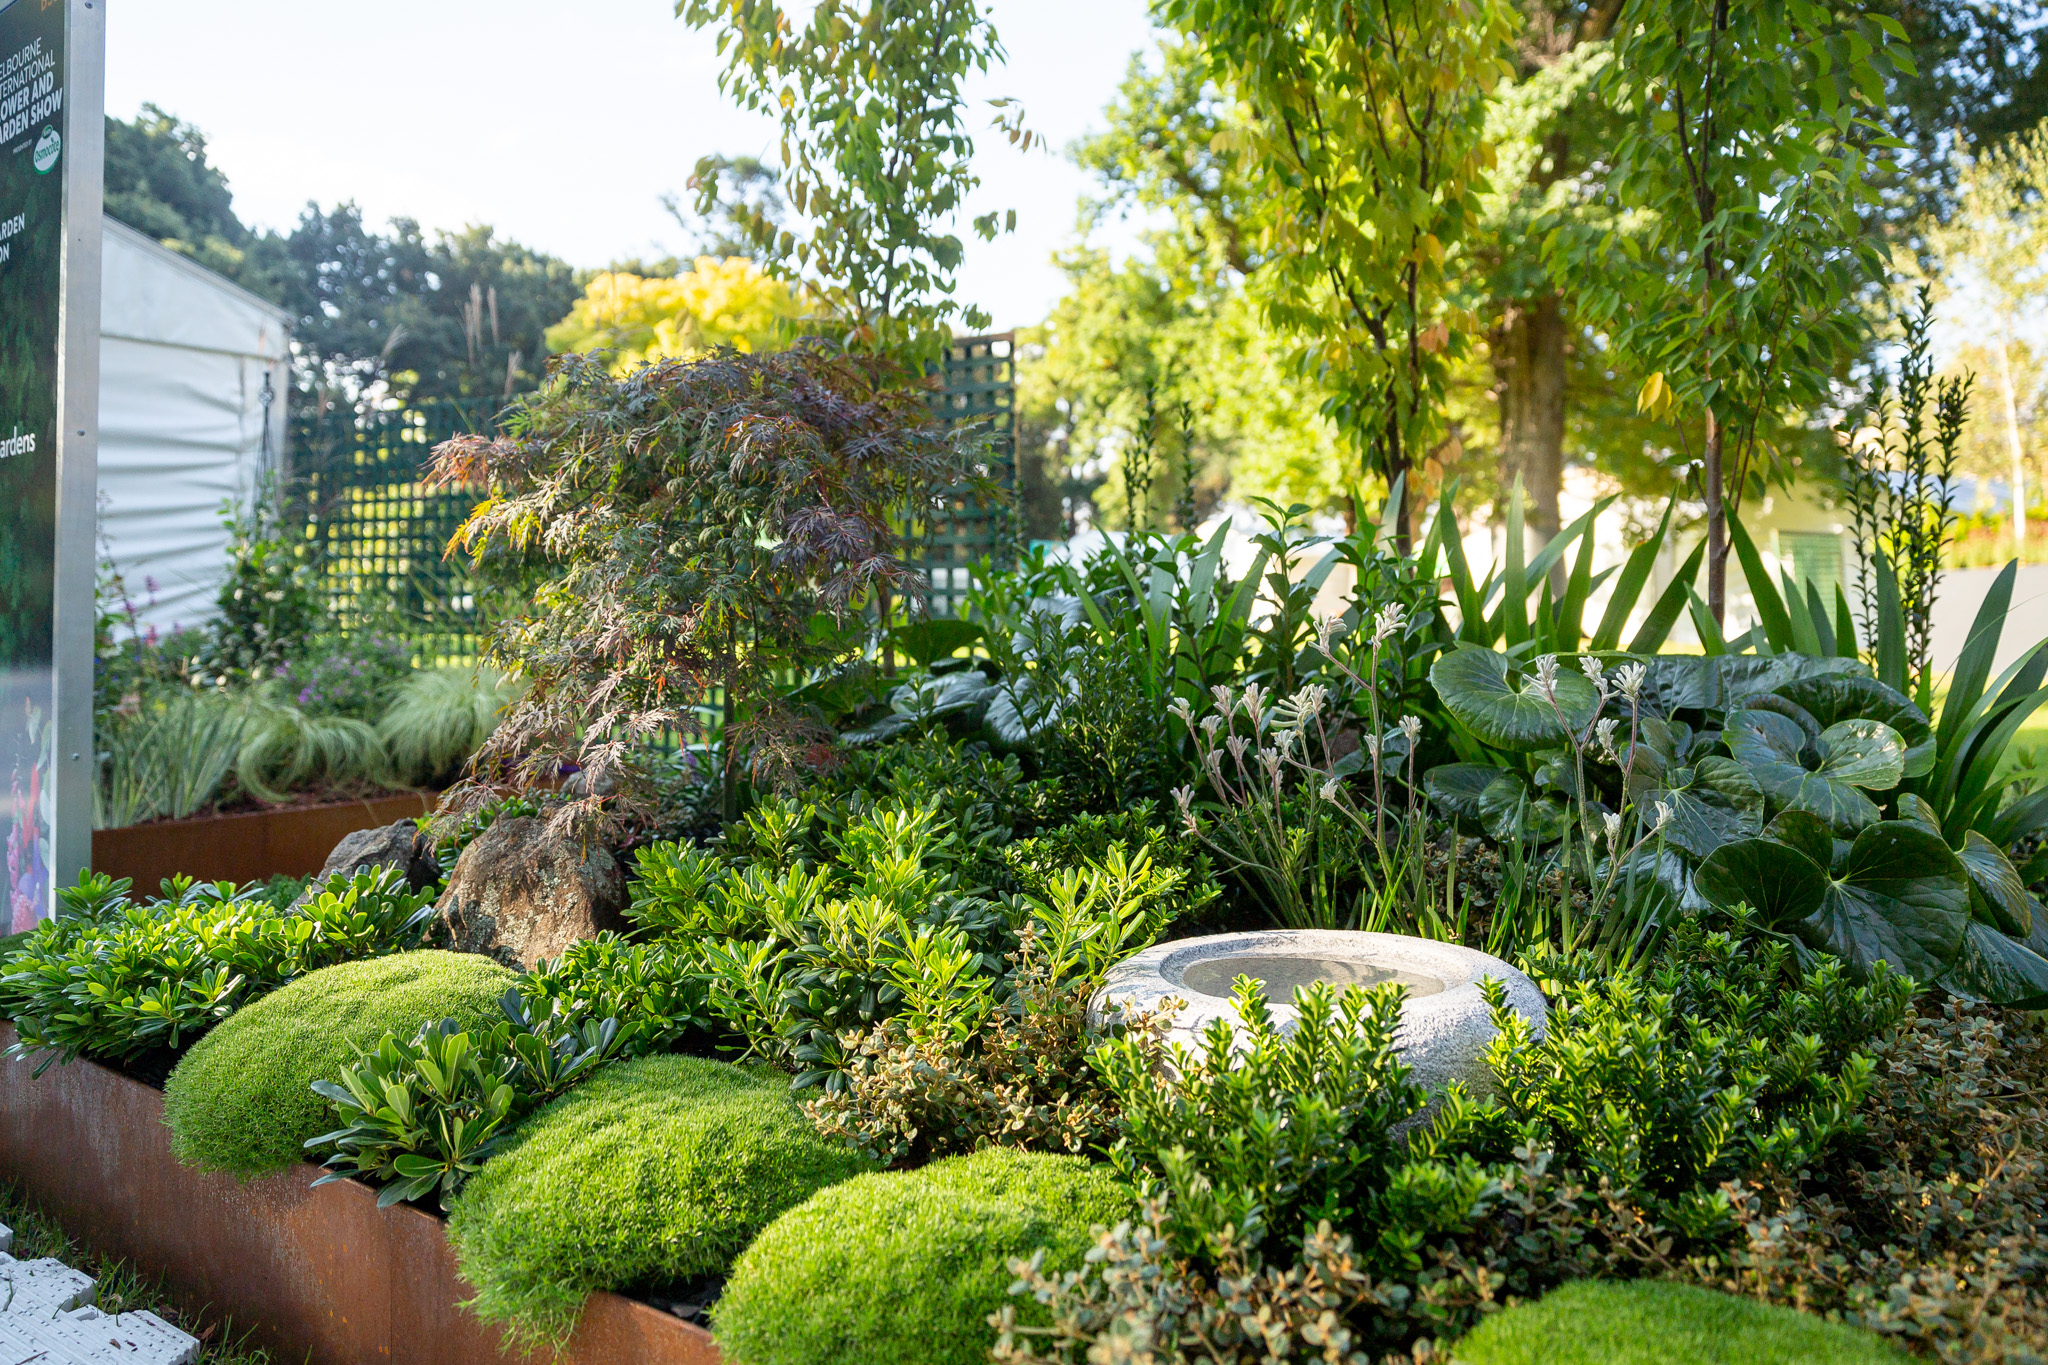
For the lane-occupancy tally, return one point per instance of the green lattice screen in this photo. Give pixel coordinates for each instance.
(381, 531)
(980, 388)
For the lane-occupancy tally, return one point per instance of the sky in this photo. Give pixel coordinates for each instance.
(562, 124)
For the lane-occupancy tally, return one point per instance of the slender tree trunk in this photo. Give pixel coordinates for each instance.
(2019, 469)
(1529, 378)
(1717, 524)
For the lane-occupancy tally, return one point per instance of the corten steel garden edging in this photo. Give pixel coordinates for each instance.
(252, 847)
(318, 1275)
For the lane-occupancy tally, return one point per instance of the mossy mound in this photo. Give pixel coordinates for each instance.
(651, 1172)
(1647, 1322)
(908, 1265)
(242, 1099)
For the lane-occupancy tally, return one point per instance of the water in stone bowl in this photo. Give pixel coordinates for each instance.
(1281, 977)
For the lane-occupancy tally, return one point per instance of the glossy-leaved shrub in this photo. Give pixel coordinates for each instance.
(108, 977)
(910, 1265)
(654, 1171)
(242, 1099)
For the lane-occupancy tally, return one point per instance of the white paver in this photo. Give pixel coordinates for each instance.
(47, 1318)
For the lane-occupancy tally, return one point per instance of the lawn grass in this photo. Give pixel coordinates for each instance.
(1649, 1322)
(121, 1288)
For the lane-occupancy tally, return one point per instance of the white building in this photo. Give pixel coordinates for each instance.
(194, 373)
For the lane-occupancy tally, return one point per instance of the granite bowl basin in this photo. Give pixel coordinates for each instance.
(1446, 1023)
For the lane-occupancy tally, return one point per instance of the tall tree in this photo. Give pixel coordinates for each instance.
(1742, 169)
(1366, 122)
(160, 181)
(876, 155)
(1549, 128)
(458, 315)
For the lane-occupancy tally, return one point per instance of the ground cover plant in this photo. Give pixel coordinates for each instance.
(242, 1098)
(656, 1171)
(902, 1265)
(1642, 1322)
(271, 701)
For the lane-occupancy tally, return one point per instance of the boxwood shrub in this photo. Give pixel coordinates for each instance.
(908, 1265)
(242, 1098)
(1648, 1322)
(652, 1172)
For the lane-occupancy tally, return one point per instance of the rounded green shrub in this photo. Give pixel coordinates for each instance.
(242, 1098)
(1648, 1322)
(651, 1172)
(908, 1265)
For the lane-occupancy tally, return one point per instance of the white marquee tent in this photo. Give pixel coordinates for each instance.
(187, 360)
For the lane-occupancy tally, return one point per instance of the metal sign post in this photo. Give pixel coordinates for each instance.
(52, 143)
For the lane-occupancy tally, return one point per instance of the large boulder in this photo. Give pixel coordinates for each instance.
(521, 893)
(399, 845)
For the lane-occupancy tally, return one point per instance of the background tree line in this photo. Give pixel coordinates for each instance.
(1179, 353)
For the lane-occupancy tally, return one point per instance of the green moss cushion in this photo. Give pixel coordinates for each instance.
(651, 1172)
(906, 1266)
(1645, 1322)
(242, 1099)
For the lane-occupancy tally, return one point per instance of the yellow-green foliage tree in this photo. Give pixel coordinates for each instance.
(1366, 131)
(638, 319)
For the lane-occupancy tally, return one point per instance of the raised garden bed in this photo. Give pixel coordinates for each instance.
(321, 1275)
(293, 842)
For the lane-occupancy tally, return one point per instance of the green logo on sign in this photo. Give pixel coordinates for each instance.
(48, 148)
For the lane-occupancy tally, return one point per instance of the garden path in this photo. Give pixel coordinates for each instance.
(47, 1318)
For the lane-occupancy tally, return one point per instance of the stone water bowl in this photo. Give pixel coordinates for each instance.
(1445, 1022)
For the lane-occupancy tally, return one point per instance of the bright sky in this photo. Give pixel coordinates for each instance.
(562, 124)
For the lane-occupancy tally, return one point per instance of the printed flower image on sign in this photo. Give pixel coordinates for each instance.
(31, 258)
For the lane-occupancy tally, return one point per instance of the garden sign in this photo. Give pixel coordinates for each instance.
(52, 62)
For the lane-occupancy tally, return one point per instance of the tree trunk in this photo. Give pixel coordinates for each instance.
(1529, 378)
(1717, 524)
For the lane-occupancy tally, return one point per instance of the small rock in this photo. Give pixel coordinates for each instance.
(397, 845)
(520, 893)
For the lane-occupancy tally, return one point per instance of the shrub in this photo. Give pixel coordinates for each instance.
(654, 1171)
(426, 1114)
(796, 463)
(909, 1265)
(933, 1083)
(1633, 1141)
(1596, 1322)
(242, 1099)
(803, 961)
(110, 978)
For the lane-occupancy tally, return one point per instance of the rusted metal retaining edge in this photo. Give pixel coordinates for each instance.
(252, 847)
(322, 1275)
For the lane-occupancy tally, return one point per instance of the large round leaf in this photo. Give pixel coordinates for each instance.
(1997, 895)
(1720, 682)
(1455, 787)
(1501, 704)
(1808, 833)
(1779, 882)
(1837, 697)
(1900, 896)
(1850, 755)
(1508, 810)
(1998, 970)
(1712, 803)
(936, 637)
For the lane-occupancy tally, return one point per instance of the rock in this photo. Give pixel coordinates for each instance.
(397, 845)
(520, 894)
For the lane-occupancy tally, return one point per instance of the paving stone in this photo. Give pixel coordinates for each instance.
(41, 1287)
(47, 1318)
